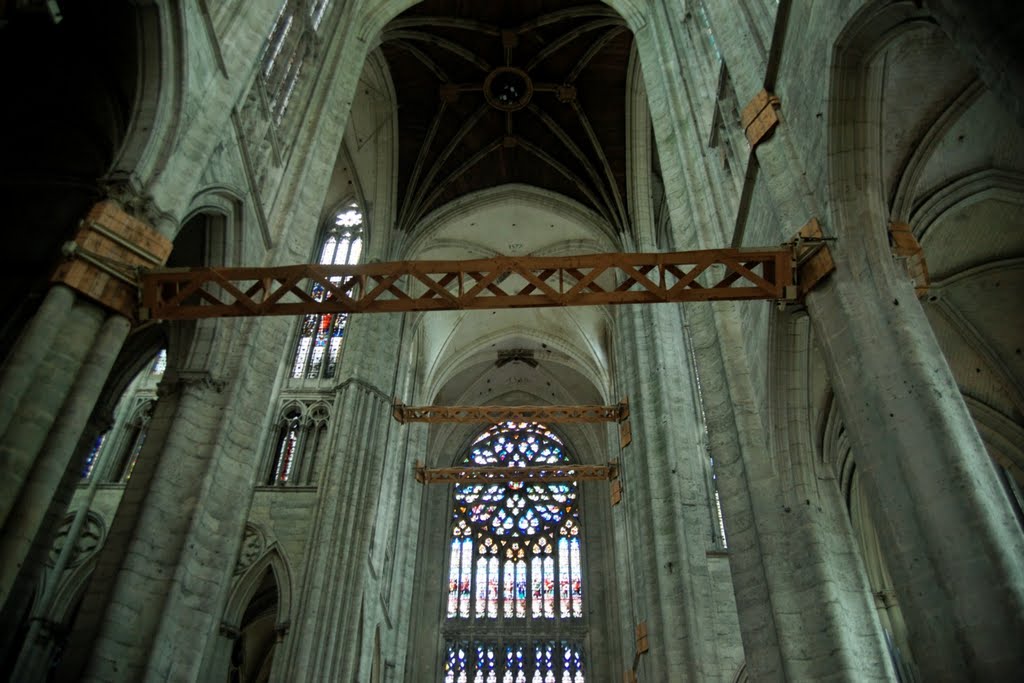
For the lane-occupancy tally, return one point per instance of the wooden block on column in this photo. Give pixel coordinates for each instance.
(905, 246)
(760, 117)
(625, 434)
(108, 249)
(642, 644)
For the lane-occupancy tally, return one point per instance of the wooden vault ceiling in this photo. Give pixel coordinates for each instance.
(490, 93)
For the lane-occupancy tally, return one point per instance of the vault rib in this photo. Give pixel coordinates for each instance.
(442, 43)
(568, 38)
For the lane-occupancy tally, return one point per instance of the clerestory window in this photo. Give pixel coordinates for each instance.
(320, 337)
(514, 609)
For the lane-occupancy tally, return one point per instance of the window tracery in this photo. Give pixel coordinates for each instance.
(301, 436)
(320, 336)
(515, 567)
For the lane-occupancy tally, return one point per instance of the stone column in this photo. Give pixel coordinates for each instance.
(954, 544)
(31, 349)
(330, 640)
(57, 455)
(34, 658)
(43, 400)
(41, 440)
(163, 575)
(666, 499)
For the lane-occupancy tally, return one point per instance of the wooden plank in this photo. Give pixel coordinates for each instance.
(106, 254)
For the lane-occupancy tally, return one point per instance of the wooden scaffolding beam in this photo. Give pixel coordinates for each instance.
(499, 282)
(493, 414)
(535, 473)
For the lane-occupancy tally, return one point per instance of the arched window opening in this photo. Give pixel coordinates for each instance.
(132, 445)
(117, 449)
(515, 567)
(287, 449)
(320, 337)
(288, 48)
(252, 654)
(90, 459)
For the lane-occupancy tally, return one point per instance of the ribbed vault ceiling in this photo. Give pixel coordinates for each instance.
(491, 93)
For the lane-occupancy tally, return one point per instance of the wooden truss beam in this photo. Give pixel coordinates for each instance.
(492, 414)
(499, 282)
(494, 475)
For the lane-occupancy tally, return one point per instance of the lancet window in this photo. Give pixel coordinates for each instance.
(300, 439)
(117, 450)
(320, 337)
(287, 51)
(515, 600)
(135, 437)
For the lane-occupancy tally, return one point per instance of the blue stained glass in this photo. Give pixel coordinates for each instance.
(521, 562)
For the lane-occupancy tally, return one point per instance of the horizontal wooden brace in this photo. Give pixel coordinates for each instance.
(534, 473)
(499, 282)
(474, 414)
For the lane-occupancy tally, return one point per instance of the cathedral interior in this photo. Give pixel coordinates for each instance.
(566, 458)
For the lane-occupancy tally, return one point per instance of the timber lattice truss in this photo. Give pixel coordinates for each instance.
(495, 414)
(533, 473)
(499, 282)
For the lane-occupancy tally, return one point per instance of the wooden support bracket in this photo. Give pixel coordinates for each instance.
(107, 254)
(906, 248)
(811, 257)
(760, 117)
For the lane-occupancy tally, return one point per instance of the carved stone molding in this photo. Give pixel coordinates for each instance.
(89, 540)
(254, 542)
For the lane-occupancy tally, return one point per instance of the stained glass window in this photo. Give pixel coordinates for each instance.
(543, 661)
(90, 458)
(132, 445)
(320, 337)
(287, 449)
(515, 559)
(288, 46)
